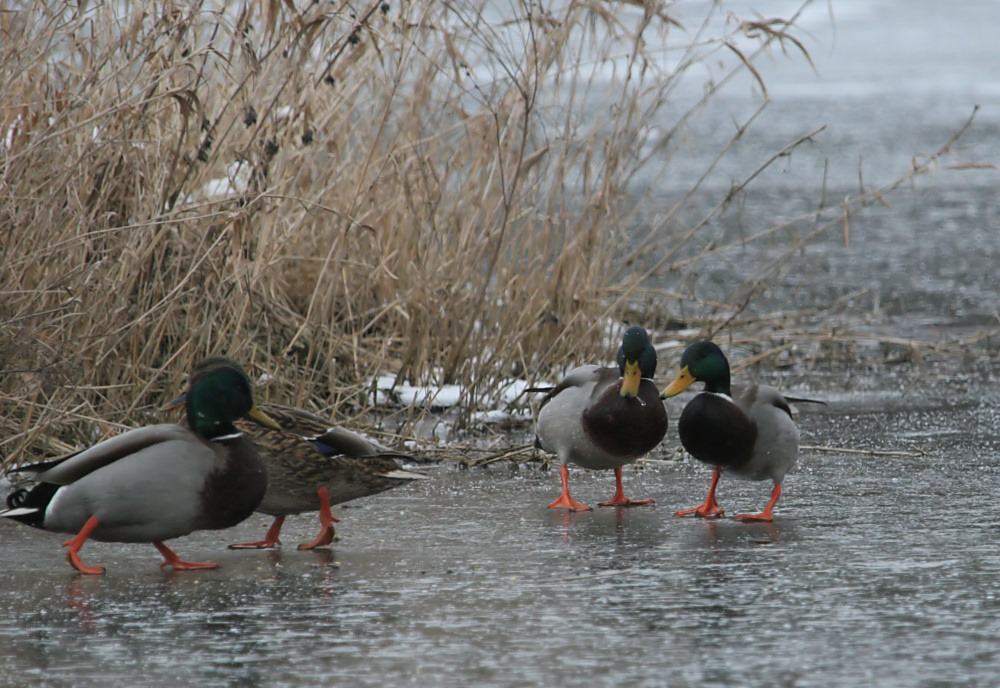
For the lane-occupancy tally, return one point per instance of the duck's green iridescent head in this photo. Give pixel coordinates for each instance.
(704, 362)
(636, 360)
(219, 394)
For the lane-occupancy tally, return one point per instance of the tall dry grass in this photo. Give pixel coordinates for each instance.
(325, 191)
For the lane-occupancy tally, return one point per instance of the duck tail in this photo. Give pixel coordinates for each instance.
(28, 505)
(404, 458)
(802, 400)
(539, 390)
(404, 474)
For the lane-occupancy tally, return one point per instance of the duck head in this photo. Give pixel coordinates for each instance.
(219, 393)
(636, 360)
(702, 362)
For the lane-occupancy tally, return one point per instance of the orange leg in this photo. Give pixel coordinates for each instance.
(710, 507)
(171, 559)
(619, 499)
(74, 544)
(270, 540)
(565, 501)
(764, 515)
(326, 521)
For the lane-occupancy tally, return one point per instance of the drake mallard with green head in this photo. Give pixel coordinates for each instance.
(154, 483)
(752, 435)
(603, 418)
(312, 465)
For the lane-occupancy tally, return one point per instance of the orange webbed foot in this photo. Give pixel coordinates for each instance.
(171, 559)
(74, 545)
(74, 560)
(270, 540)
(754, 518)
(619, 498)
(765, 515)
(324, 538)
(710, 507)
(703, 511)
(326, 521)
(567, 502)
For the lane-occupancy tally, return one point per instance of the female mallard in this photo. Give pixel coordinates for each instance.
(752, 435)
(602, 418)
(312, 465)
(154, 483)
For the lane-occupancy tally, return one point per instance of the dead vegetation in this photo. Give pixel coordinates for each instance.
(329, 191)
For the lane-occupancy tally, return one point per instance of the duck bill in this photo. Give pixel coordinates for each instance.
(263, 418)
(175, 403)
(683, 380)
(631, 379)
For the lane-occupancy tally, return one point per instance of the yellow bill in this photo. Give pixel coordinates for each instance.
(263, 418)
(683, 380)
(631, 379)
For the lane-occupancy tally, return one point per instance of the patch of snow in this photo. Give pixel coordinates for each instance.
(12, 130)
(510, 393)
(235, 183)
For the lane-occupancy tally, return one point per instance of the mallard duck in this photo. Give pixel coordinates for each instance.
(752, 436)
(157, 482)
(602, 418)
(312, 465)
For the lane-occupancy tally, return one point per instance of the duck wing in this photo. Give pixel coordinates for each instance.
(69, 469)
(326, 438)
(297, 421)
(589, 378)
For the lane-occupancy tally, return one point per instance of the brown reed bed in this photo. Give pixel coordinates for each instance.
(328, 191)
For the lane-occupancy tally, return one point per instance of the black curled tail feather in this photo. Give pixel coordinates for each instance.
(33, 501)
(17, 498)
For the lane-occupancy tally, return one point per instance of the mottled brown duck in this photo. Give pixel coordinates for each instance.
(312, 465)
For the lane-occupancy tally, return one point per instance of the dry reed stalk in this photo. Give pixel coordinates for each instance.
(325, 193)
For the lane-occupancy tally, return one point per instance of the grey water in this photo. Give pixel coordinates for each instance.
(893, 82)
(882, 566)
(878, 570)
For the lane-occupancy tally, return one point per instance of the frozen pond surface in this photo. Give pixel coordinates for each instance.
(879, 569)
(893, 82)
